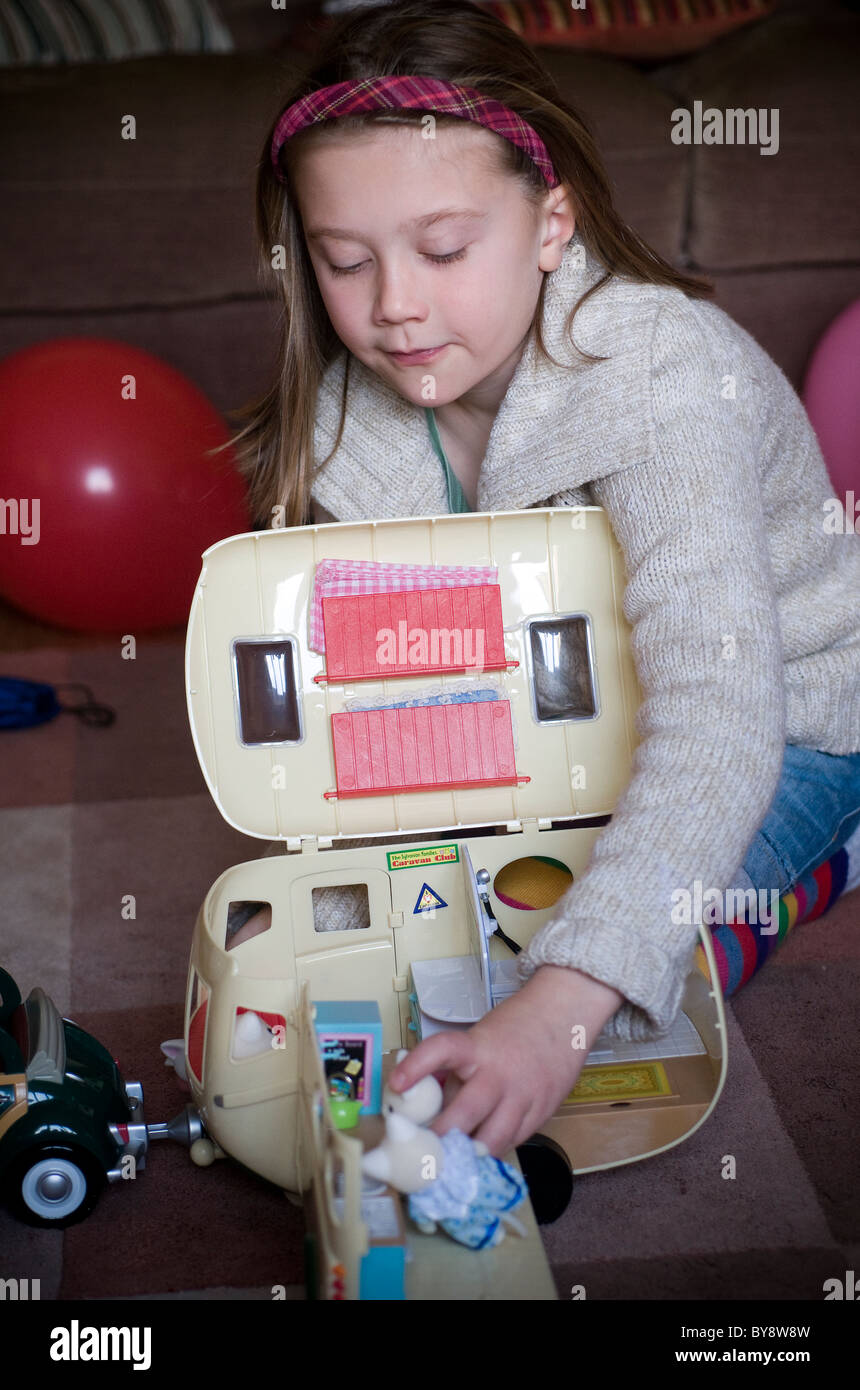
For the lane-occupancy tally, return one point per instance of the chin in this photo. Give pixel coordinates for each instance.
(410, 390)
(413, 397)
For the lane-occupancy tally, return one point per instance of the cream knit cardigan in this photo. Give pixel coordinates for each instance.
(744, 608)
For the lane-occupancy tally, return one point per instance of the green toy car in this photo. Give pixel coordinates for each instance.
(68, 1122)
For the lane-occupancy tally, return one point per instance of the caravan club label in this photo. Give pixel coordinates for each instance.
(421, 858)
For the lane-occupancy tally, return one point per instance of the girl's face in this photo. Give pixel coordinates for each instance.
(418, 244)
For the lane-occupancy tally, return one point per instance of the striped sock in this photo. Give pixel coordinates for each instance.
(741, 949)
(852, 849)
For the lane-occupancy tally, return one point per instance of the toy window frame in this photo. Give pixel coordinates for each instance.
(7, 1083)
(557, 619)
(270, 639)
(195, 979)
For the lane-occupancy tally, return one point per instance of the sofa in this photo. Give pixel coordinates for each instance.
(151, 240)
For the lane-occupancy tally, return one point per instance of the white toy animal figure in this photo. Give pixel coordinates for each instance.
(421, 1103)
(174, 1056)
(251, 1035)
(409, 1158)
(452, 1180)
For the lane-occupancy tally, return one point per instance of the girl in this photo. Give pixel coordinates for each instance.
(439, 217)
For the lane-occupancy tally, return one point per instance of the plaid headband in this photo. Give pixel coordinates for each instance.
(415, 93)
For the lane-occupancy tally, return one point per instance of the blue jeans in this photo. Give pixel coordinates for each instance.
(815, 810)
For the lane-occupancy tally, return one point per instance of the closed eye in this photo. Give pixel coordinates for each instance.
(436, 260)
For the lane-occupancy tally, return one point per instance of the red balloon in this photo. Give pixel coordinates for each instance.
(107, 498)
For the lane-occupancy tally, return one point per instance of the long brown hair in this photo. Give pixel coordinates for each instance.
(457, 42)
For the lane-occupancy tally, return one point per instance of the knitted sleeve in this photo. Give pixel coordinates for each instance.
(706, 642)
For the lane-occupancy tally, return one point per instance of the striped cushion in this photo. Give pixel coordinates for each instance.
(627, 28)
(86, 31)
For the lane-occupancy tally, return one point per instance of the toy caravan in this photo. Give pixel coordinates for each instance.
(459, 694)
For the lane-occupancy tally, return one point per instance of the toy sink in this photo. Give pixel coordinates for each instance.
(459, 694)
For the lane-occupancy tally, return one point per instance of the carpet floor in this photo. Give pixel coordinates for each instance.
(88, 816)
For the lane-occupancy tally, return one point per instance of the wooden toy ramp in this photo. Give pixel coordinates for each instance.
(326, 701)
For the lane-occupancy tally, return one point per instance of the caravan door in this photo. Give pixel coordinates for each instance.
(343, 938)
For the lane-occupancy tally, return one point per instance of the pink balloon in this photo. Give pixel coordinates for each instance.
(109, 498)
(831, 394)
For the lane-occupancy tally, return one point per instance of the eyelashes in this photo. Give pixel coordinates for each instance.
(436, 260)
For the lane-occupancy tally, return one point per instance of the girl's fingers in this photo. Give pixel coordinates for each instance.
(532, 1120)
(472, 1104)
(503, 1129)
(444, 1051)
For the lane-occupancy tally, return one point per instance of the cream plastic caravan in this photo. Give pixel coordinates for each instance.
(459, 694)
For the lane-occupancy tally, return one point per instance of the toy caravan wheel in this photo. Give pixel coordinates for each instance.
(549, 1176)
(54, 1186)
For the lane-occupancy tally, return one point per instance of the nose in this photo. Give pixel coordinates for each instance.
(399, 295)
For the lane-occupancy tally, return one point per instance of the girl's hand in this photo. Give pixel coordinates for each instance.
(520, 1061)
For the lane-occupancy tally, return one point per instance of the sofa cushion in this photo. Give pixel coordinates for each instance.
(796, 206)
(227, 347)
(628, 116)
(788, 308)
(94, 221)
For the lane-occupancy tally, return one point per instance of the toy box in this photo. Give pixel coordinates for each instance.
(459, 693)
(349, 1035)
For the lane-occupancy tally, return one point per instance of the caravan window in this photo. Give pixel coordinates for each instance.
(561, 668)
(266, 676)
(343, 908)
(246, 920)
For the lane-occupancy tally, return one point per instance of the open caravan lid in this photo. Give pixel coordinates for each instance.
(412, 676)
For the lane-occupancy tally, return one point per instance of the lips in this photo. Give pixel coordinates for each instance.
(417, 355)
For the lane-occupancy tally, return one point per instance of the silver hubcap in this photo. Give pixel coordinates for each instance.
(54, 1187)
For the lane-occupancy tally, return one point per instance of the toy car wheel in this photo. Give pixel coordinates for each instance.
(54, 1186)
(549, 1176)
